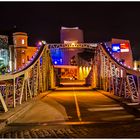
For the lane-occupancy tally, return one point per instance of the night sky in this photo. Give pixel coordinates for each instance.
(100, 21)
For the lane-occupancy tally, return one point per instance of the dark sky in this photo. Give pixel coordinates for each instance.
(100, 21)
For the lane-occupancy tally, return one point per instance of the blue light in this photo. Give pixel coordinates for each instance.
(41, 60)
(56, 55)
(116, 48)
(55, 62)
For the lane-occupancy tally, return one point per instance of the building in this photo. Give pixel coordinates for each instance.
(71, 35)
(137, 65)
(14, 51)
(122, 51)
(68, 62)
(20, 52)
(4, 52)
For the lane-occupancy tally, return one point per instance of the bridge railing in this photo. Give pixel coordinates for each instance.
(72, 45)
(111, 75)
(28, 82)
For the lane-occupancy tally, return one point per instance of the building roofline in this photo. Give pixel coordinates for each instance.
(19, 33)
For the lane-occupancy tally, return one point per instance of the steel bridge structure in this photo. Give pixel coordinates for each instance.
(38, 76)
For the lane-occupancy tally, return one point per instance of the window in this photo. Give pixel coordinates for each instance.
(28, 58)
(22, 41)
(15, 41)
(23, 61)
(23, 51)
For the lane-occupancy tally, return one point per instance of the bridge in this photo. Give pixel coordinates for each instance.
(107, 75)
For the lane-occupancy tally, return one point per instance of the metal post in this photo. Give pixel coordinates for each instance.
(6, 94)
(39, 84)
(26, 96)
(30, 92)
(138, 80)
(21, 95)
(3, 103)
(14, 94)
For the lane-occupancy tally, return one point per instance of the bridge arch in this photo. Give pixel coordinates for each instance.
(107, 73)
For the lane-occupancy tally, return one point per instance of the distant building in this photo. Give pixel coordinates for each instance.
(121, 50)
(62, 56)
(137, 65)
(20, 52)
(68, 62)
(4, 51)
(71, 35)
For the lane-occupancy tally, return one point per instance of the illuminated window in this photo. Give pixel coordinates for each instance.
(23, 61)
(22, 41)
(23, 51)
(15, 41)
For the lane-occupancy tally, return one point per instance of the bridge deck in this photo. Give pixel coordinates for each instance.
(71, 109)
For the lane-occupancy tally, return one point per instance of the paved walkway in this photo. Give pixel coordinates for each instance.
(76, 113)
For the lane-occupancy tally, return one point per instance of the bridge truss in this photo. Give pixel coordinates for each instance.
(38, 76)
(76, 46)
(111, 75)
(33, 79)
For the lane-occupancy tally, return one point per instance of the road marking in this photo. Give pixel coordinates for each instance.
(106, 109)
(77, 106)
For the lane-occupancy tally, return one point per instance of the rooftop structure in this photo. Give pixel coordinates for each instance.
(71, 35)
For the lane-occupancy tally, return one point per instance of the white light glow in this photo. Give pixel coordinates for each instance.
(22, 41)
(55, 62)
(124, 50)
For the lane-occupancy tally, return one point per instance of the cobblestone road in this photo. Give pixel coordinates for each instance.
(45, 133)
(105, 130)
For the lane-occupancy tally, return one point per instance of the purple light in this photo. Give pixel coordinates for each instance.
(40, 43)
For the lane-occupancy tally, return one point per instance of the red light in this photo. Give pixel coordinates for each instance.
(124, 47)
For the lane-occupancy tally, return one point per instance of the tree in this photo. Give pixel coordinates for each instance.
(3, 43)
(87, 54)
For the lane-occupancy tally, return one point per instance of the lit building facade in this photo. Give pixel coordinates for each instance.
(67, 61)
(122, 51)
(67, 36)
(21, 53)
(4, 51)
(71, 35)
(137, 65)
(125, 53)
